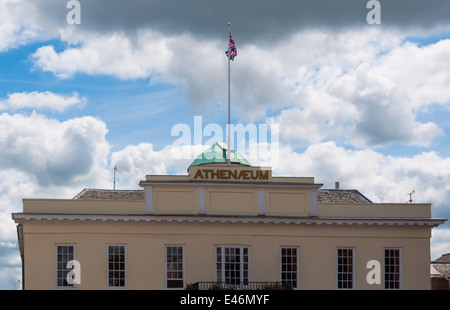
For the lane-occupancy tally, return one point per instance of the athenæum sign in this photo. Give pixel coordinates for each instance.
(224, 173)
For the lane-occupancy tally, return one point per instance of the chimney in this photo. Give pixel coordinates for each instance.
(336, 185)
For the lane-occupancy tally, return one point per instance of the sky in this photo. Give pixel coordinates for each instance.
(364, 104)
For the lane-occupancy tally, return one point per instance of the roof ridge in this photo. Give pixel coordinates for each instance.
(94, 193)
(352, 191)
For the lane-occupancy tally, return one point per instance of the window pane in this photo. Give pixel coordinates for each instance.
(174, 263)
(64, 254)
(392, 268)
(344, 268)
(289, 266)
(116, 265)
(234, 270)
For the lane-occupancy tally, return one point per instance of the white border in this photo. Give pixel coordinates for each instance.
(165, 266)
(401, 267)
(298, 263)
(240, 246)
(73, 287)
(353, 268)
(107, 267)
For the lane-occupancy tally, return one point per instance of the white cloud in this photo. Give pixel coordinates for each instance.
(361, 87)
(390, 92)
(137, 161)
(53, 152)
(42, 157)
(356, 86)
(10, 265)
(41, 100)
(111, 54)
(382, 178)
(440, 242)
(10, 277)
(421, 72)
(19, 24)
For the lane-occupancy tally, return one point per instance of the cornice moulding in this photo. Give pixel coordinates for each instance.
(21, 218)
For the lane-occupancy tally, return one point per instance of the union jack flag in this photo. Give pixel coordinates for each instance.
(232, 52)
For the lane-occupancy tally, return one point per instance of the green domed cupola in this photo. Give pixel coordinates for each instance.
(218, 154)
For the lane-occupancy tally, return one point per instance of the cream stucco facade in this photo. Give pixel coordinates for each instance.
(215, 210)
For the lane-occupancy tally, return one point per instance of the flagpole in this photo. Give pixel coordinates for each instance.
(229, 119)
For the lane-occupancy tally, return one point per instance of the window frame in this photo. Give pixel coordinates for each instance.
(353, 282)
(297, 264)
(399, 268)
(182, 246)
(69, 286)
(243, 279)
(125, 266)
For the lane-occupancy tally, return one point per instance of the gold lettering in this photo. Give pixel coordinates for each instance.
(214, 174)
(198, 174)
(244, 175)
(264, 175)
(235, 174)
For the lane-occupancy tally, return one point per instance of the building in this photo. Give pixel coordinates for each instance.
(440, 273)
(224, 226)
